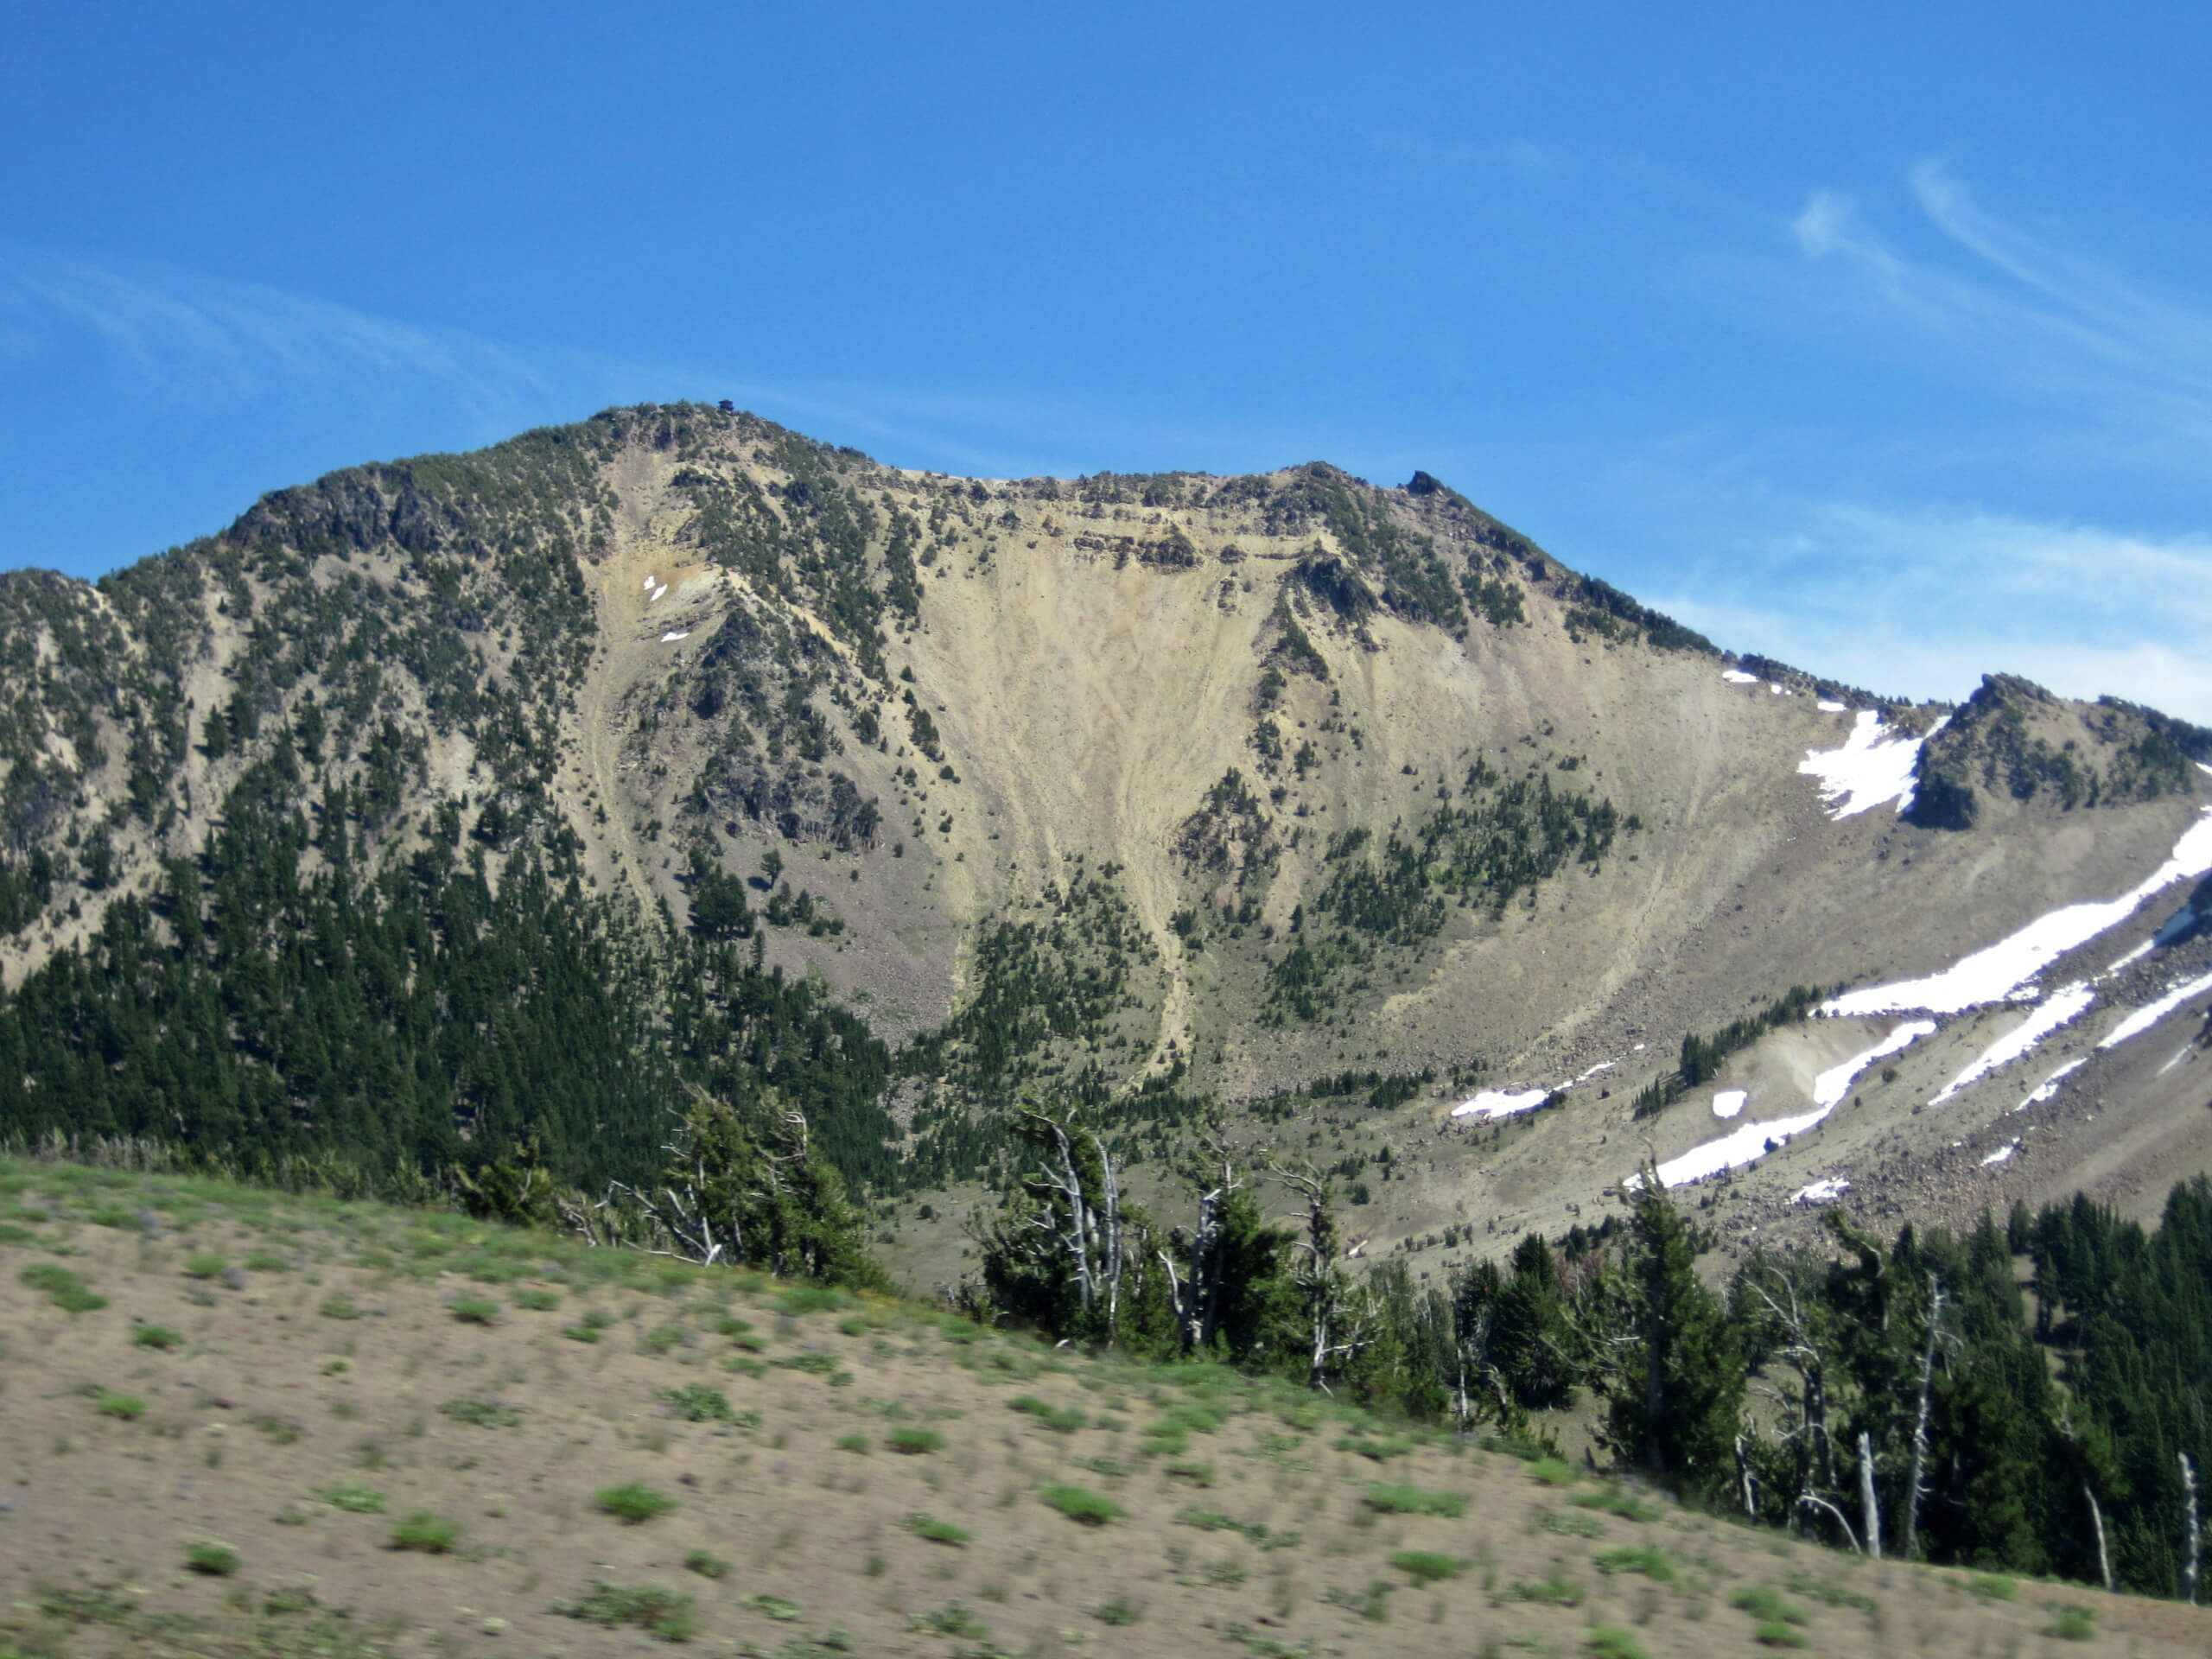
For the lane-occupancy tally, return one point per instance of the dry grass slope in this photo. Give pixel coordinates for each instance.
(234, 1423)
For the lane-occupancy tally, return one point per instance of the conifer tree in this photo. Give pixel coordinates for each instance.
(1679, 1398)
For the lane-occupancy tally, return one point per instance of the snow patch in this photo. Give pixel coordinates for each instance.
(2001, 1154)
(2065, 1006)
(1990, 974)
(1729, 1102)
(1753, 1141)
(2144, 1017)
(674, 633)
(2048, 1089)
(1776, 689)
(1832, 1084)
(1826, 1189)
(1828, 707)
(1502, 1103)
(1867, 770)
(649, 582)
(1737, 676)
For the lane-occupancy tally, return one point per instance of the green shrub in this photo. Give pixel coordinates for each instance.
(2071, 1621)
(1611, 1642)
(431, 1534)
(1573, 1526)
(339, 1305)
(1411, 1500)
(631, 1502)
(776, 1607)
(914, 1441)
(936, 1531)
(1555, 1591)
(1553, 1472)
(1064, 1419)
(205, 1264)
(812, 1299)
(706, 1566)
(1427, 1566)
(1765, 1603)
(696, 1402)
(156, 1336)
(1081, 1503)
(475, 1310)
(214, 1559)
(1775, 1633)
(129, 1407)
(1614, 1500)
(536, 1301)
(1119, 1611)
(1991, 1587)
(354, 1498)
(1636, 1558)
(267, 1261)
(663, 1613)
(62, 1287)
(854, 1443)
(1379, 1449)
(482, 1414)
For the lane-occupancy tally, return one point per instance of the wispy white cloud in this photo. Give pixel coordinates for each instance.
(206, 341)
(1924, 602)
(2041, 318)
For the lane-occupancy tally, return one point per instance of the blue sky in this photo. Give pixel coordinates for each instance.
(1876, 338)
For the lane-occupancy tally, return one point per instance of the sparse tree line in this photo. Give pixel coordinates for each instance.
(1899, 1398)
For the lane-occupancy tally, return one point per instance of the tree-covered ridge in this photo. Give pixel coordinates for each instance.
(2012, 740)
(282, 1004)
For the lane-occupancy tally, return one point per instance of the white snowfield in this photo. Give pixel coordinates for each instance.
(1872, 768)
(2048, 1089)
(1824, 1190)
(1505, 1102)
(1502, 1103)
(1750, 1142)
(649, 582)
(2148, 1015)
(1729, 1102)
(2061, 1007)
(1737, 676)
(1990, 975)
(1828, 707)
(2001, 1154)
(674, 633)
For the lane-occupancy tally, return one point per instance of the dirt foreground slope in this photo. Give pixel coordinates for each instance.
(232, 1423)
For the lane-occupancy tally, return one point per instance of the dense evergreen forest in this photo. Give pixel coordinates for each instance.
(1909, 1396)
(281, 1008)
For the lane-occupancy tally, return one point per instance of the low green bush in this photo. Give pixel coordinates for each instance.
(1411, 1500)
(1080, 1503)
(631, 1502)
(1427, 1565)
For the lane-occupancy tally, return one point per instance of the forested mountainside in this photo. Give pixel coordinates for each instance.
(446, 810)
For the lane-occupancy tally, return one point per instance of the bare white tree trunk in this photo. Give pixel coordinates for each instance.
(2097, 1525)
(2188, 1552)
(1808, 1500)
(1869, 1508)
(1743, 1483)
(1915, 1484)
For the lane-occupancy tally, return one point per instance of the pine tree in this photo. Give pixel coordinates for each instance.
(1679, 1402)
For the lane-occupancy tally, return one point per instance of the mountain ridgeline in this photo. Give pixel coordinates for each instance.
(447, 809)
